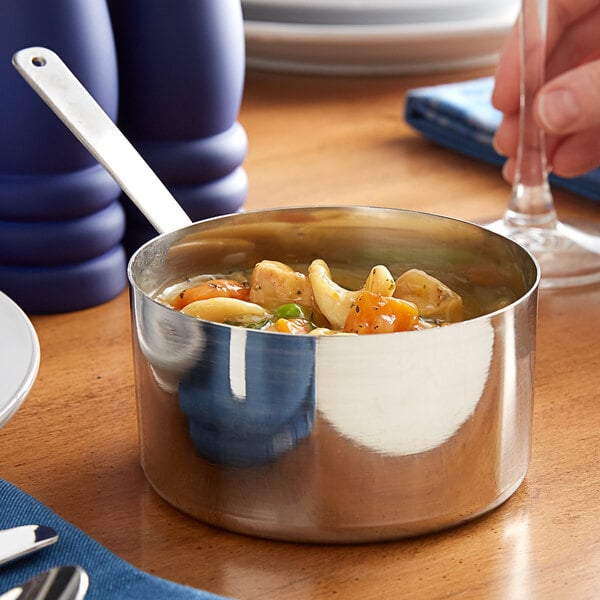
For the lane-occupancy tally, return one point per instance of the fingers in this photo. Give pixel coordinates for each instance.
(573, 24)
(567, 108)
(578, 44)
(570, 103)
(507, 136)
(570, 158)
(576, 154)
(505, 96)
(572, 39)
(506, 140)
(567, 156)
(509, 169)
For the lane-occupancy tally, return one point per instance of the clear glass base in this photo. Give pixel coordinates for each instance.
(568, 254)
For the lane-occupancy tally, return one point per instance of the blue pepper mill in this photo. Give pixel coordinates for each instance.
(181, 73)
(61, 222)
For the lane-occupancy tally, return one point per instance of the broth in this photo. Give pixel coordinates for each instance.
(478, 295)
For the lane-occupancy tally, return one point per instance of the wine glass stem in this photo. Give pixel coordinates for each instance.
(531, 202)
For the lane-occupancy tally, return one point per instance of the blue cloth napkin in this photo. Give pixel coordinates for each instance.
(111, 578)
(460, 116)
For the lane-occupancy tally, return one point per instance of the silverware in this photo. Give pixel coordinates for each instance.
(23, 540)
(59, 583)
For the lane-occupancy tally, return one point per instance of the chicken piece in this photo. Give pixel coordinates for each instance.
(335, 301)
(434, 299)
(273, 283)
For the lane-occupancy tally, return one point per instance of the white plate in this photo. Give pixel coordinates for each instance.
(19, 357)
(376, 49)
(370, 12)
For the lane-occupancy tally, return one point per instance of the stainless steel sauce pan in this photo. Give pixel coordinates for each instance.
(336, 439)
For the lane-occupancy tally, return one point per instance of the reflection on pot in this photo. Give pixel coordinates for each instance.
(250, 399)
(419, 395)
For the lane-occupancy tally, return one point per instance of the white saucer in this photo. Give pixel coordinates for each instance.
(19, 357)
(376, 49)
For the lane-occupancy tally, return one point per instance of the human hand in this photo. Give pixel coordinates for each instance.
(567, 107)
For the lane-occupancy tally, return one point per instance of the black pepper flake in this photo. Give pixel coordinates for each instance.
(357, 309)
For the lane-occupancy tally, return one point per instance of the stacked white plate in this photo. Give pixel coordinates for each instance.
(19, 357)
(375, 36)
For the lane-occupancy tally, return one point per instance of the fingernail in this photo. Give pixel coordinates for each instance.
(558, 110)
(506, 172)
(497, 148)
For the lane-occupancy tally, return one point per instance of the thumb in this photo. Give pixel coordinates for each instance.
(570, 103)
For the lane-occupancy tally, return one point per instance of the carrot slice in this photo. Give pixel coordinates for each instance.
(294, 326)
(214, 288)
(374, 313)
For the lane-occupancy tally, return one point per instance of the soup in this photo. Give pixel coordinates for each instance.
(274, 296)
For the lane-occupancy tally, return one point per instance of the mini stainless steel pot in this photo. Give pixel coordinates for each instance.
(337, 438)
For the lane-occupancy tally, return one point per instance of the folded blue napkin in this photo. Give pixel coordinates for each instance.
(111, 578)
(460, 116)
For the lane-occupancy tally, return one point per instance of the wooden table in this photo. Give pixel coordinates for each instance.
(74, 442)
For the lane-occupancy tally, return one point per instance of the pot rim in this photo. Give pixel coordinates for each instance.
(522, 298)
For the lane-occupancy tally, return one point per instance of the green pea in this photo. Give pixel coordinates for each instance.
(289, 311)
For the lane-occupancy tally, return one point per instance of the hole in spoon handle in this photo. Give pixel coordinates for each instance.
(47, 74)
(38, 61)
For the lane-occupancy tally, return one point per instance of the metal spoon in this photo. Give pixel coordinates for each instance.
(48, 75)
(59, 583)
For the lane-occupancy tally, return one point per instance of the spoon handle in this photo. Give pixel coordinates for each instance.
(47, 74)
